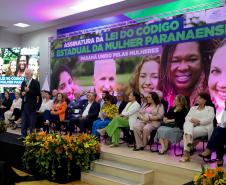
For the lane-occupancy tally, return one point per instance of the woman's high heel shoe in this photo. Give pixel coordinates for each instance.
(206, 154)
(185, 157)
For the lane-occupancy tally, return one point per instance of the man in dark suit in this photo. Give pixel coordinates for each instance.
(30, 90)
(89, 114)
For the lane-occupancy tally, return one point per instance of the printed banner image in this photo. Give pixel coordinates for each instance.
(165, 55)
(113, 75)
(13, 62)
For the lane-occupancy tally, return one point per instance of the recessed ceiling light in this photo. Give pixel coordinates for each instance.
(85, 5)
(22, 25)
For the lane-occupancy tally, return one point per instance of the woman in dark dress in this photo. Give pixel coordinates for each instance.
(171, 130)
(6, 104)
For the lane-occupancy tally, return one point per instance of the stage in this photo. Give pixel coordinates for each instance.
(164, 169)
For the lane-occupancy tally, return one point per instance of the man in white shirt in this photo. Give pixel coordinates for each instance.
(46, 105)
(89, 114)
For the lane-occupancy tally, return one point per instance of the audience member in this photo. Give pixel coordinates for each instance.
(171, 130)
(88, 116)
(46, 105)
(14, 113)
(149, 119)
(198, 122)
(6, 104)
(108, 111)
(217, 141)
(127, 119)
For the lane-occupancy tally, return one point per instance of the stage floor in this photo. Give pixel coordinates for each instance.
(168, 159)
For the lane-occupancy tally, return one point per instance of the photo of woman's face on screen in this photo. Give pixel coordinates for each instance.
(185, 66)
(217, 78)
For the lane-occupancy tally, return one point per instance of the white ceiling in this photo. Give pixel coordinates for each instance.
(37, 12)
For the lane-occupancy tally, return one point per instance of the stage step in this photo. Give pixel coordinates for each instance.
(133, 173)
(97, 178)
(111, 173)
(163, 174)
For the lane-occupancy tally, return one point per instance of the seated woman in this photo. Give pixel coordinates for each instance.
(14, 113)
(149, 118)
(217, 141)
(173, 121)
(106, 114)
(6, 104)
(127, 119)
(57, 112)
(198, 122)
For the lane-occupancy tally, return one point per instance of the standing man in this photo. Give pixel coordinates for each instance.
(30, 90)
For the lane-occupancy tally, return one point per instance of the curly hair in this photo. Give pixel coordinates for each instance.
(206, 52)
(134, 81)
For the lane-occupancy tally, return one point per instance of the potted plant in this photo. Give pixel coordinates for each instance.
(59, 157)
(210, 176)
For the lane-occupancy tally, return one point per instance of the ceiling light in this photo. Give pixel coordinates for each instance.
(22, 25)
(85, 5)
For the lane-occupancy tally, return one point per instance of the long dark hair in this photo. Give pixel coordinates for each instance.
(55, 77)
(206, 52)
(155, 97)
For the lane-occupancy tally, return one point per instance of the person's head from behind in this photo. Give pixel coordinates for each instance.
(104, 77)
(33, 65)
(62, 80)
(145, 77)
(204, 99)
(153, 98)
(217, 76)
(28, 74)
(183, 64)
(180, 101)
(22, 62)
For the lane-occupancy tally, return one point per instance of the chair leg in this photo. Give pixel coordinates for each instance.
(203, 145)
(175, 150)
(157, 147)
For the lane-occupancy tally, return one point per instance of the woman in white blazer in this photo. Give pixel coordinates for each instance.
(127, 118)
(198, 122)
